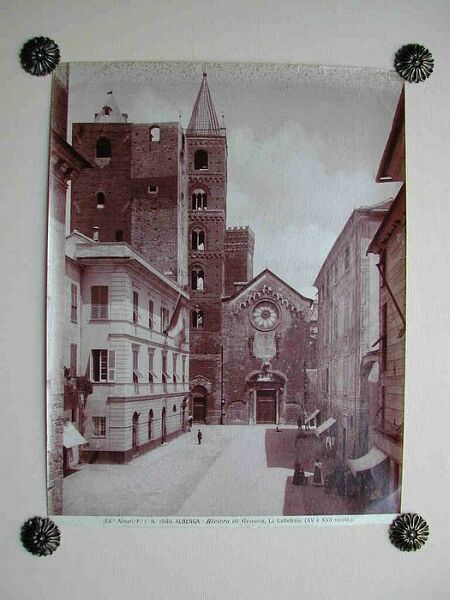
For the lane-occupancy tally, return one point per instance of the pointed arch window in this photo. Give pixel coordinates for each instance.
(198, 279)
(201, 160)
(199, 199)
(103, 148)
(155, 134)
(198, 318)
(198, 239)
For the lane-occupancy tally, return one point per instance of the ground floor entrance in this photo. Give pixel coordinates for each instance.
(266, 406)
(199, 409)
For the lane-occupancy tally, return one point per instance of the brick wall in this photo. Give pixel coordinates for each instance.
(110, 176)
(205, 360)
(291, 337)
(239, 247)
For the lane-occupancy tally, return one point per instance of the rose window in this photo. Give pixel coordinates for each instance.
(265, 315)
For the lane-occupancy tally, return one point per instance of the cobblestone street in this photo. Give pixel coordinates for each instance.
(235, 471)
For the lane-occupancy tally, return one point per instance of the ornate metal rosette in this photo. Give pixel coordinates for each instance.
(40, 536)
(39, 56)
(414, 63)
(409, 532)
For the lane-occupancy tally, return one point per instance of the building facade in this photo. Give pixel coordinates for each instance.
(265, 349)
(137, 189)
(65, 165)
(128, 337)
(347, 329)
(389, 248)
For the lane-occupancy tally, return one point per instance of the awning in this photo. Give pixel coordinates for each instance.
(72, 437)
(312, 416)
(370, 460)
(325, 425)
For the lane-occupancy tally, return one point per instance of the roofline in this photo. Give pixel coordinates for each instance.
(376, 243)
(82, 235)
(397, 124)
(361, 211)
(79, 161)
(259, 276)
(135, 256)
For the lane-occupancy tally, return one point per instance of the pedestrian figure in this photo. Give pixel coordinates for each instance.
(317, 479)
(299, 422)
(296, 480)
(199, 437)
(190, 419)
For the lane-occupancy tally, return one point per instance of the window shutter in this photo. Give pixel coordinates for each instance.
(112, 365)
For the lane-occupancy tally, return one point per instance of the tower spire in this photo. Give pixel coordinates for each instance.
(204, 118)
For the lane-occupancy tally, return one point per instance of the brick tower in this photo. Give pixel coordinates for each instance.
(137, 190)
(207, 188)
(239, 247)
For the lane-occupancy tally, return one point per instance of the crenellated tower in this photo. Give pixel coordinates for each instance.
(239, 248)
(207, 188)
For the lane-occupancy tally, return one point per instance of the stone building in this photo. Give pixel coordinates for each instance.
(65, 165)
(347, 329)
(265, 348)
(127, 334)
(389, 248)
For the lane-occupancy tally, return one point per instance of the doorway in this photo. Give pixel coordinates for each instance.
(199, 409)
(163, 425)
(135, 435)
(266, 406)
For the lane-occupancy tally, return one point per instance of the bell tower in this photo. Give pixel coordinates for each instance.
(207, 188)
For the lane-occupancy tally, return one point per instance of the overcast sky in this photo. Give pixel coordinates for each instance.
(304, 143)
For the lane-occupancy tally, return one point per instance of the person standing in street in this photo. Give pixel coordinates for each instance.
(317, 478)
(190, 419)
(199, 437)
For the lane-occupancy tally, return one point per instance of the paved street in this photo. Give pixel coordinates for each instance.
(236, 471)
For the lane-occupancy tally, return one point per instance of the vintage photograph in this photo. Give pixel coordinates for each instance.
(226, 290)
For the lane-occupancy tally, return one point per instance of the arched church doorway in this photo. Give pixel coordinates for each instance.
(135, 434)
(199, 404)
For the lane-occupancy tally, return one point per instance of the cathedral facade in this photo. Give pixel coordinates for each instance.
(163, 190)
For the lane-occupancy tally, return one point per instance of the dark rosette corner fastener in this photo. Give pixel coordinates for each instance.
(39, 56)
(40, 536)
(414, 63)
(409, 532)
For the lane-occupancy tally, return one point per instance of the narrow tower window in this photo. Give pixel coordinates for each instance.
(198, 240)
(100, 200)
(198, 319)
(103, 149)
(201, 160)
(155, 134)
(198, 200)
(198, 279)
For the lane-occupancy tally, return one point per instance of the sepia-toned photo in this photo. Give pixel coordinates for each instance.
(226, 290)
